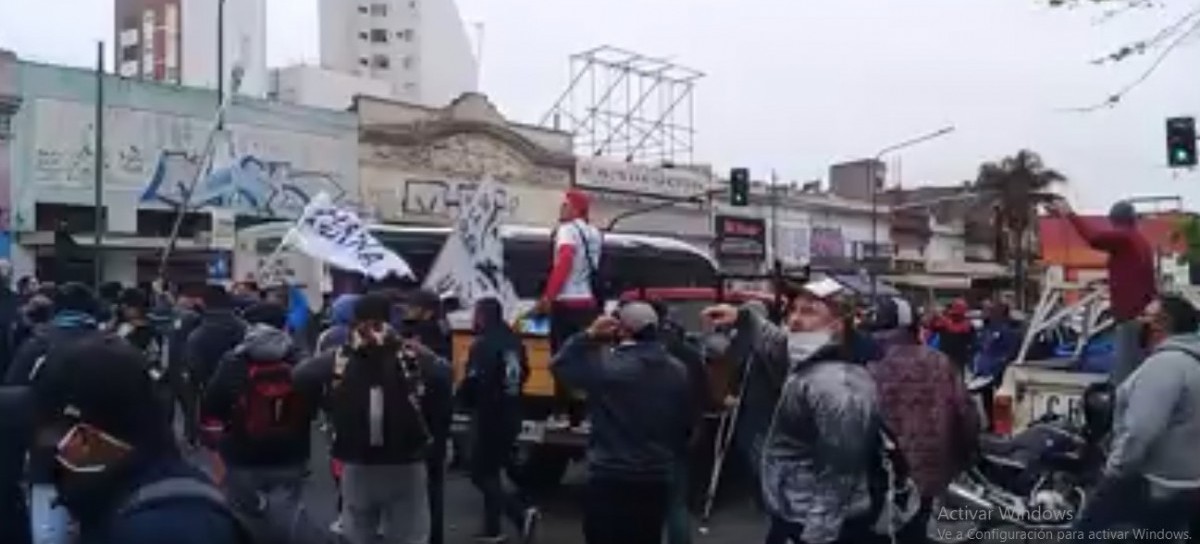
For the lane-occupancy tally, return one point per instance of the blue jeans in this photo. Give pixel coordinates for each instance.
(51, 524)
(679, 526)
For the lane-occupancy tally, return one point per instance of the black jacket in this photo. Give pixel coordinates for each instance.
(185, 520)
(21, 372)
(491, 389)
(261, 344)
(16, 428)
(314, 378)
(691, 354)
(218, 333)
(640, 404)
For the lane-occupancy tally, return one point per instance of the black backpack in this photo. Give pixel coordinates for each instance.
(376, 402)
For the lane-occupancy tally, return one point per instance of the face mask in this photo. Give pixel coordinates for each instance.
(803, 345)
(82, 487)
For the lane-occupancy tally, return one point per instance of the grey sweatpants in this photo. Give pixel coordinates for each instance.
(393, 497)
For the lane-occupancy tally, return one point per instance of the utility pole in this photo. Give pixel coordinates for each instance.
(98, 167)
(220, 59)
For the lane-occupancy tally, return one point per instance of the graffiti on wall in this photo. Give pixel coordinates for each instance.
(255, 169)
(443, 199)
(246, 183)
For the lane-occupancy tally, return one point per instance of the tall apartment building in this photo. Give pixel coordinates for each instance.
(419, 47)
(175, 41)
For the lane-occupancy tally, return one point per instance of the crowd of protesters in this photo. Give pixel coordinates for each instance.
(853, 424)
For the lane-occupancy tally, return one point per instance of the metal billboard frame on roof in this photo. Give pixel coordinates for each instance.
(608, 106)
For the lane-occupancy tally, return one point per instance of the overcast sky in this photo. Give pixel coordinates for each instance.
(797, 85)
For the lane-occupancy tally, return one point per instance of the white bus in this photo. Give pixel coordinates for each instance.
(631, 261)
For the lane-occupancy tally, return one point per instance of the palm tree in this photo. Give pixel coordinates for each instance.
(1012, 188)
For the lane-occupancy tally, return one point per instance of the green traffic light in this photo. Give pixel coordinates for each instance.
(1182, 156)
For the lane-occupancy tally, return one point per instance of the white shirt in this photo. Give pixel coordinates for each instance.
(586, 240)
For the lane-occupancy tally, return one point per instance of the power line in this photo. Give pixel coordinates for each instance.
(1116, 97)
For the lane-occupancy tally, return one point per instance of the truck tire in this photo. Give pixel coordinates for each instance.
(538, 468)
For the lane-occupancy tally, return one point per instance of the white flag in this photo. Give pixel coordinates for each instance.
(471, 263)
(337, 236)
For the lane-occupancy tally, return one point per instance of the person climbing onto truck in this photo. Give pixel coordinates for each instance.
(1131, 279)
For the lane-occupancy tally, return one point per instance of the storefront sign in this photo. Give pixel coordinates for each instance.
(640, 179)
(742, 238)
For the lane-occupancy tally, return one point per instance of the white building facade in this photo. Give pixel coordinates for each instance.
(175, 41)
(419, 47)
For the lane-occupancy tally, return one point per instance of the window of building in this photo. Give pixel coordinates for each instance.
(412, 4)
(363, 61)
(379, 35)
(379, 10)
(364, 36)
(381, 61)
(362, 9)
(407, 63)
(129, 52)
(406, 35)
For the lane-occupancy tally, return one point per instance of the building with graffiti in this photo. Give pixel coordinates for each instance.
(159, 144)
(421, 165)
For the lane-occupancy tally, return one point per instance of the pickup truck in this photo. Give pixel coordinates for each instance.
(1043, 378)
(1035, 385)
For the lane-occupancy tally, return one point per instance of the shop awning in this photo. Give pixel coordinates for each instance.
(931, 281)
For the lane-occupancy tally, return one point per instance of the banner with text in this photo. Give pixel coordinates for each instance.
(337, 236)
(641, 179)
(471, 263)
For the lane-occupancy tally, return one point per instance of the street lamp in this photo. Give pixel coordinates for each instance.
(875, 191)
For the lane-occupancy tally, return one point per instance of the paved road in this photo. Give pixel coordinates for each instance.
(735, 521)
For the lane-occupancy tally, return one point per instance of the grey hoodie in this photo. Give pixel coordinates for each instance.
(1156, 429)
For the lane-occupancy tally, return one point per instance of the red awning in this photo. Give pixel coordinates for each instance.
(1062, 245)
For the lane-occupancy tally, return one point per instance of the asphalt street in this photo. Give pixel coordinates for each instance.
(735, 520)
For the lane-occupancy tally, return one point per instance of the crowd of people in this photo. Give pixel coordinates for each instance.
(853, 423)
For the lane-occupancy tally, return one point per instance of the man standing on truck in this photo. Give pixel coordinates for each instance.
(1131, 280)
(570, 298)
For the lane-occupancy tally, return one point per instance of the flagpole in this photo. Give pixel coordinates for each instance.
(98, 182)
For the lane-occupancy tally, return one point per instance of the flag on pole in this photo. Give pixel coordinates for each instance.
(337, 236)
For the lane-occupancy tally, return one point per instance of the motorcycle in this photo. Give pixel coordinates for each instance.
(1037, 479)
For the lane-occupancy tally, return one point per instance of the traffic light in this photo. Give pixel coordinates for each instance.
(1181, 142)
(739, 187)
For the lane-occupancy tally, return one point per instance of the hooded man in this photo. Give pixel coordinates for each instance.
(340, 315)
(497, 369)
(1131, 280)
(820, 480)
(376, 388)
(1152, 476)
(570, 297)
(219, 331)
(189, 306)
(267, 423)
(642, 411)
(116, 467)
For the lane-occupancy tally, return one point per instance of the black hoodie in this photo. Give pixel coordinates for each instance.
(497, 369)
(218, 333)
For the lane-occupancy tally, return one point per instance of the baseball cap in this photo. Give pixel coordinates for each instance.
(101, 381)
(824, 288)
(636, 316)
